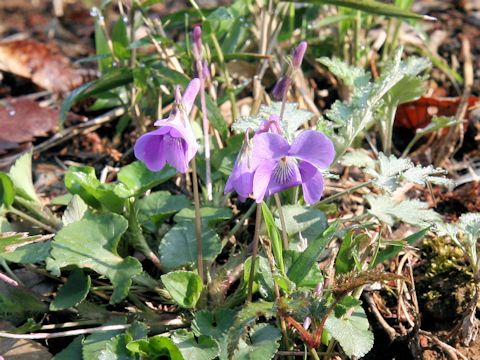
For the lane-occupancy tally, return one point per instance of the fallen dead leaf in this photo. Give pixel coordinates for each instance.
(20, 349)
(22, 120)
(44, 64)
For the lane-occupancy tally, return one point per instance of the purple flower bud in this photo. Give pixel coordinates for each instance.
(241, 178)
(298, 54)
(281, 87)
(174, 141)
(272, 124)
(197, 41)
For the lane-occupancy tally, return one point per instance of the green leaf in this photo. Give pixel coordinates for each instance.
(346, 304)
(203, 348)
(72, 352)
(344, 262)
(263, 277)
(215, 325)
(179, 246)
(355, 115)
(371, 7)
(138, 179)
(350, 75)
(156, 347)
(29, 254)
(308, 221)
(392, 250)
(413, 212)
(209, 215)
(7, 190)
(75, 210)
(159, 205)
(185, 287)
(263, 343)
(352, 333)
(312, 278)
(274, 235)
(101, 49)
(11, 241)
(94, 344)
(120, 40)
(113, 79)
(21, 176)
(245, 318)
(73, 292)
(308, 258)
(359, 158)
(82, 181)
(92, 243)
(18, 304)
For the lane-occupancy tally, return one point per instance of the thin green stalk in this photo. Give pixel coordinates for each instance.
(223, 65)
(137, 238)
(31, 219)
(258, 223)
(387, 129)
(410, 145)
(198, 223)
(282, 221)
(9, 271)
(386, 46)
(356, 38)
(35, 209)
(314, 354)
(340, 194)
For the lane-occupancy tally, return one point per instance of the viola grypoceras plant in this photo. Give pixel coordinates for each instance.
(174, 141)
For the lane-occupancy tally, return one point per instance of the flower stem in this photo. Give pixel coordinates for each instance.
(31, 219)
(198, 223)
(206, 138)
(282, 221)
(258, 222)
(340, 194)
(45, 216)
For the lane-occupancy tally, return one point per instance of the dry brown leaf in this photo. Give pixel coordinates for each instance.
(44, 64)
(20, 349)
(23, 119)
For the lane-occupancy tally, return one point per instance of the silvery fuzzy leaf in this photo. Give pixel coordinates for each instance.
(423, 175)
(293, 118)
(413, 212)
(359, 158)
(350, 75)
(470, 223)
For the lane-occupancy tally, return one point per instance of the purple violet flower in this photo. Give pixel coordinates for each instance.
(279, 165)
(241, 178)
(174, 142)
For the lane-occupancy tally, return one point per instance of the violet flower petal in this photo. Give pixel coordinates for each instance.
(261, 179)
(268, 146)
(190, 94)
(175, 152)
(149, 149)
(241, 178)
(281, 87)
(313, 187)
(314, 147)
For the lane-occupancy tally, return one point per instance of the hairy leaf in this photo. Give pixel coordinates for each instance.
(352, 333)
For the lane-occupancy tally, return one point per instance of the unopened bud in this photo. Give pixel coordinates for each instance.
(281, 87)
(298, 54)
(197, 41)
